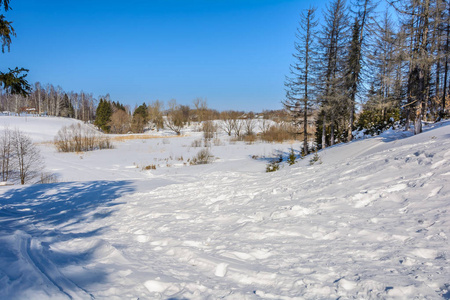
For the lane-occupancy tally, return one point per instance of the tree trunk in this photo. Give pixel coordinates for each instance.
(332, 131)
(418, 119)
(305, 129)
(324, 132)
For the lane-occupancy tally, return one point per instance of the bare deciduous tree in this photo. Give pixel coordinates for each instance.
(6, 154)
(249, 124)
(175, 117)
(120, 122)
(155, 114)
(227, 122)
(27, 155)
(201, 109)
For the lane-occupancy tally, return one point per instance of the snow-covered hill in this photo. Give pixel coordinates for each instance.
(371, 221)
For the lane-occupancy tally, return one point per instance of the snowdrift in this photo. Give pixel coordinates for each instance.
(370, 221)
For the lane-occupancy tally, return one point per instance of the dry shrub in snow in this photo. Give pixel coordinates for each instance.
(196, 143)
(204, 156)
(149, 167)
(209, 129)
(217, 142)
(79, 138)
(48, 178)
(249, 139)
(278, 133)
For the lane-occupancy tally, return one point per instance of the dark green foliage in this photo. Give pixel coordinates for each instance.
(339, 132)
(292, 157)
(273, 166)
(103, 115)
(117, 105)
(6, 32)
(374, 121)
(353, 73)
(141, 110)
(66, 107)
(301, 86)
(5, 4)
(314, 159)
(14, 81)
(140, 118)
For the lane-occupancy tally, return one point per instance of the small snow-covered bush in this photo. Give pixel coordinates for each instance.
(314, 159)
(272, 166)
(79, 138)
(149, 167)
(196, 143)
(292, 157)
(375, 121)
(204, 156)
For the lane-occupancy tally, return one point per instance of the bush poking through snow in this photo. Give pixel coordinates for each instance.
(149, 167)
(314, 159)
(80, 138)
(250, 139)
(278, 133)
(273, 166)
(204, 156)
(48, 178)
(292, 157)
(196, 143)
(374, 121)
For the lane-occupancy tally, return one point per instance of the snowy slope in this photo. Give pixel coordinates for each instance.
(371, 221)
(40, 129)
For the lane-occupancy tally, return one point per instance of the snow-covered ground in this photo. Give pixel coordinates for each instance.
(370, 220)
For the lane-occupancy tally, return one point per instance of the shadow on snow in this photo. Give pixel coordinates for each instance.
(34, 218)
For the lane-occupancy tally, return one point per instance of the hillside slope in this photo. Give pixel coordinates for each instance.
(370, 221)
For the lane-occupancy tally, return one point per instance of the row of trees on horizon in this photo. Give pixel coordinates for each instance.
(115, 117)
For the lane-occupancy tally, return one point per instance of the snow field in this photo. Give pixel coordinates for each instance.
(370, 222)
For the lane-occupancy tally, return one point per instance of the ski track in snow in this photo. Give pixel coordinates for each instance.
(370, 222)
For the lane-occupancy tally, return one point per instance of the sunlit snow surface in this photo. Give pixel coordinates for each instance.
(372, 221)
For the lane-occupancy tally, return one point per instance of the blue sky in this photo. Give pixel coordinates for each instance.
(233, 53)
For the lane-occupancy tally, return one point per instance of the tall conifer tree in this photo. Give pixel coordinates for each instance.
(299, 87)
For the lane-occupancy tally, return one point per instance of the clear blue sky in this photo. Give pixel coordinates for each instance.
(233, 53)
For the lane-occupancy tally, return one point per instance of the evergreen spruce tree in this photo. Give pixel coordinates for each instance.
(103, 115)
(14, 81)
(333, 41)
(140, 118)
(299, 87)
(361, 27)
(64, 104)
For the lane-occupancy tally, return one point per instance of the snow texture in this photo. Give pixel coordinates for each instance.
(371, 221)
